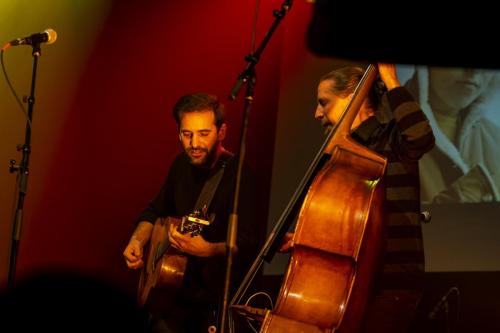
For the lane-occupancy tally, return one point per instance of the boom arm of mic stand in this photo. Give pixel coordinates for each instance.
(253, 58)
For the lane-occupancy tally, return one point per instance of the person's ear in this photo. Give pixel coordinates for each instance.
(180, 136)
(221, 134)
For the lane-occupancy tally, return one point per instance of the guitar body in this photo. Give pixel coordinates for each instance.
(163, 271)
(164, 266)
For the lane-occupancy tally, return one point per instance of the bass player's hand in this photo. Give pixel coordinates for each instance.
(286, 243)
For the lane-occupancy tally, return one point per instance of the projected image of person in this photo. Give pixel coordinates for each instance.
(464, 166)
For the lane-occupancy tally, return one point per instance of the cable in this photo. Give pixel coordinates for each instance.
(261, 293)
(13, 90)
(250, 298)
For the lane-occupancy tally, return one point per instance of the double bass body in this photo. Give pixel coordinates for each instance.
(337, 240)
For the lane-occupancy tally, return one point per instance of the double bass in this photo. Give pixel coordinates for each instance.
(338, 236)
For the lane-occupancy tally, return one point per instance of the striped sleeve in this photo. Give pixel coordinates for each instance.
(415, 134)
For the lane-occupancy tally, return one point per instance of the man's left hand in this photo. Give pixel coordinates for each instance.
(196, 245)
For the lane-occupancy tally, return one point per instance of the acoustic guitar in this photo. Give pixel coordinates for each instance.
(164, 265)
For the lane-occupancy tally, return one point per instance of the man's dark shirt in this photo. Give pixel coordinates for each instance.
(204, 277)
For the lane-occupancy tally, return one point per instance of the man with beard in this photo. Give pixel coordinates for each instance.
(200, 119)
(390, 123)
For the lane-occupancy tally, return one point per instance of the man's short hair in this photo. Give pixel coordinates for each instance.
(199, 102)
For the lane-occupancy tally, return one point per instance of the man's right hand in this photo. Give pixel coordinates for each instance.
(134, 250)
(133, 254)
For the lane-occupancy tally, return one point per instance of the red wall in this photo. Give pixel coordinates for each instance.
(119, 137)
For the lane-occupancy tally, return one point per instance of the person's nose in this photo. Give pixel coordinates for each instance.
(195, 141)
(318, 114)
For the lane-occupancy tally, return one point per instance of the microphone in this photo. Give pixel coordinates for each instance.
(442, 301)
(48, 36)
(425, 216)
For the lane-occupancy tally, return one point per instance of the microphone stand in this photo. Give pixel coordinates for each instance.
(23, 172)
(248, 77)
